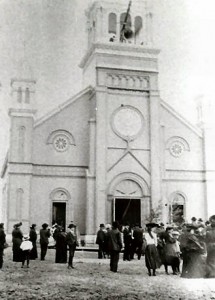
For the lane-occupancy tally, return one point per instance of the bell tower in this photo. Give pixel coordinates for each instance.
(122, 66)
(124, 21)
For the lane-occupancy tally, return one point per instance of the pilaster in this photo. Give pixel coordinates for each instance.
(154, 110)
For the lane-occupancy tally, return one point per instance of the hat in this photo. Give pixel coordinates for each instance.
(1, 225)
(71, 226)
(115, 224)
(18, 224)
(33, 226)
(152, 225)
(200, 220)
(161, 224)
(45, 225)
(102, 225)
(193, 219)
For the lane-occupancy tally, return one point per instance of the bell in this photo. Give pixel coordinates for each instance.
(128, 33)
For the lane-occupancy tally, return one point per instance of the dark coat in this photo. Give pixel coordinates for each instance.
(101, 235)
(114, 240)
(17, 240)
(210, 261)
(44, 236)
(61, 248)
(193, 259)
(33, 239)
(2, 238)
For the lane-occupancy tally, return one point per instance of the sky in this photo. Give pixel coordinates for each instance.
(50, 38)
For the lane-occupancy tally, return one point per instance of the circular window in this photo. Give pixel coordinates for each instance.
(61, 143)
(176, 149)
(127, 122)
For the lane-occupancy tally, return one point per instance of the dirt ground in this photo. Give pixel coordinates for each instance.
(91, 279)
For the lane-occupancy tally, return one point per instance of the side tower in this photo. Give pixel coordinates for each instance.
(122, 66)
(20, 155)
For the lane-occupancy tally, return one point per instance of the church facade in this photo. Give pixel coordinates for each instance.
(115, 151)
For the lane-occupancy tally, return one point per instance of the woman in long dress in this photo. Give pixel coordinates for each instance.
(17, 240)
(61, 246)
(33, 239)
(152, 259)
(192, 254)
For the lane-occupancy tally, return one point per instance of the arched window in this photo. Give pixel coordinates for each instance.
(27, 95)
(177, 208)
(21, 142)
(138, 24)
(125, 23)
(19, 95)
(112, 23)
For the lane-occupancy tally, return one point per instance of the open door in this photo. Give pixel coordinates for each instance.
(127, 211)
(59, 213)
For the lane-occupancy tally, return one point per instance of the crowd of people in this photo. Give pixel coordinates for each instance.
(192, 243)
(24, 247)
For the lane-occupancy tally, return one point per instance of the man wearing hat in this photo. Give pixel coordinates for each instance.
(100, 240)
(44, 240)
(115, 245)
(2, 242)
(71, 240)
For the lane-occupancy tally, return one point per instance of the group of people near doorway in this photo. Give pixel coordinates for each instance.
(24, 247)
(192, 243)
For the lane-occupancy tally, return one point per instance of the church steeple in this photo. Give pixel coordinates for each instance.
(124, 21)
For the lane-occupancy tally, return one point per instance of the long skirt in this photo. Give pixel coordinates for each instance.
(61, 253)
(152, 258)
(193, 265)
(33, 253)
(210, 263)
(17, 252)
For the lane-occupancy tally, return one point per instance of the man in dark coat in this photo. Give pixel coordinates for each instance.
(127, 239)
(138, 240)
(2, 242)
(101, 241)
(115, 246)
(44, 240)
(71, 240)
(210, 243)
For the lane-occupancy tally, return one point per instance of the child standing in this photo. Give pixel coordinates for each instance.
(26, 247)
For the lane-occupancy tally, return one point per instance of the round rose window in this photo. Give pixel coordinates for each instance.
(61, 143)
(176, 149)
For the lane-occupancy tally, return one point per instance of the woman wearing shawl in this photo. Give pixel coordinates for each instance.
(192, 254)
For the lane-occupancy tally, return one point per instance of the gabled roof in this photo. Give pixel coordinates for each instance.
(62, 106)
(194, 129)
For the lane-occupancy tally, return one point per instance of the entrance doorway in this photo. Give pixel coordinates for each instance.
(59, 213)
(127, 211)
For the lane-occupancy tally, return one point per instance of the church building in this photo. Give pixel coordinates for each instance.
(114, 151)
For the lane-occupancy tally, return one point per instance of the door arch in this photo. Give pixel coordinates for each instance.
(128, 199)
